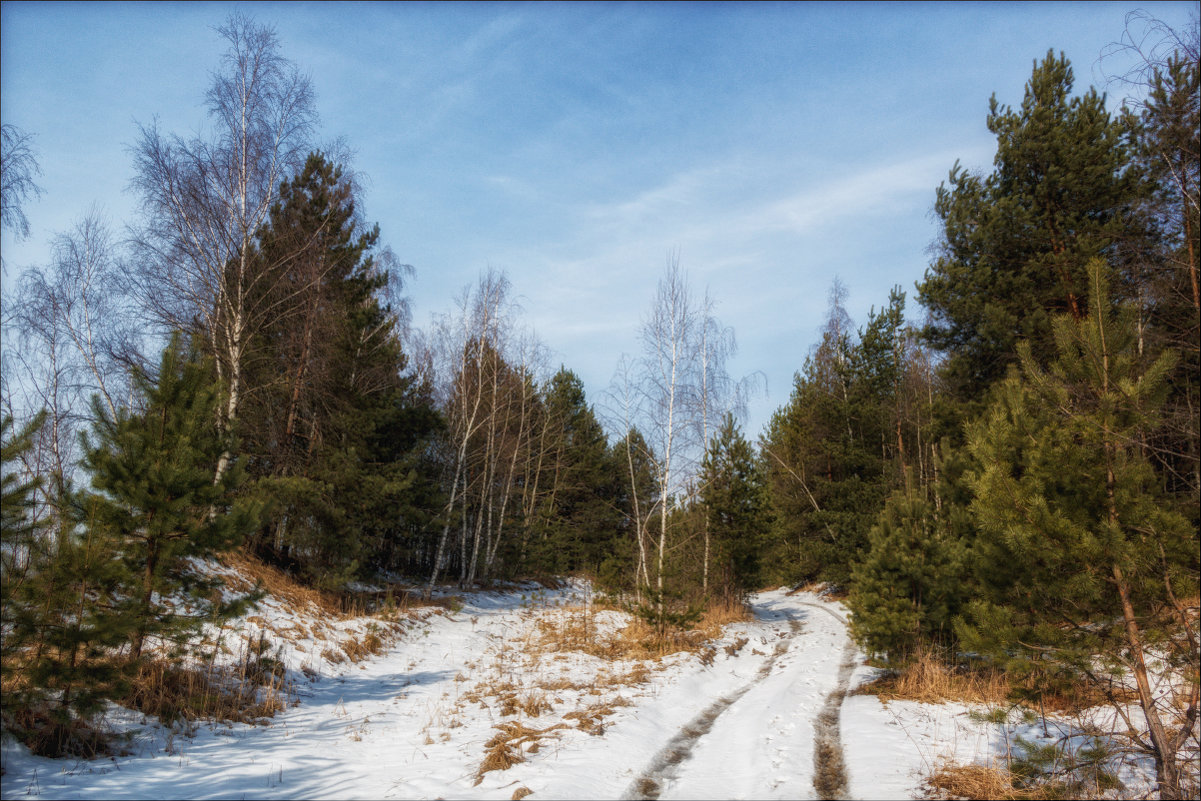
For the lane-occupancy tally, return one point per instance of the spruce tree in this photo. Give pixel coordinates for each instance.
(1081, 558)
(335, 431)
(154, 500)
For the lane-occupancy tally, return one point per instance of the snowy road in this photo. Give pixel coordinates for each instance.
(763, 741)
(416, 722)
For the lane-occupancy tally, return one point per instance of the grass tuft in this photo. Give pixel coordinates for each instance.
(930, 680)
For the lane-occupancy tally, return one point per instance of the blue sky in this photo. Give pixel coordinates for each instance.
(774, 146)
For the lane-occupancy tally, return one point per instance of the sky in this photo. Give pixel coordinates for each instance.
(773, 147)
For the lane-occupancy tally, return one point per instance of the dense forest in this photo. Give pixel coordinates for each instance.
(1016, 478)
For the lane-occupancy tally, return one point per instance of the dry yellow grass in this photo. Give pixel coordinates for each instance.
(278, 583)
(576, 629)
(951, 780)
(246, 693)
(930, 680)
(505, 748)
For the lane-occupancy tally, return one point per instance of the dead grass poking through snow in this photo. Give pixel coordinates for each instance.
(580, 629)
(243, 693)
(279, 584)
(950, 780)
(506, 747)
(930, 680)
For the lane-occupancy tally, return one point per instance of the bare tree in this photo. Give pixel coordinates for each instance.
(670, 360)
(18, 168)
(717, 393)
(624, 411)
(461, 344)
(42, 369)
(204, 199)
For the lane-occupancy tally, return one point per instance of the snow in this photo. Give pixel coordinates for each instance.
(415, 721)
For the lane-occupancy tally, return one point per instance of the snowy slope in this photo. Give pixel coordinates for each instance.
(486, 686)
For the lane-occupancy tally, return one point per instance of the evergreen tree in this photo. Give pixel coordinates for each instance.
(732, 497)
(911, 584)
(154, 501)
(1015, 241)
(1080, 557)
(832, 455)
(21, 546)
(578, 511)
(1169, 148)
(19, 524)
(71, 617)
(335, 431)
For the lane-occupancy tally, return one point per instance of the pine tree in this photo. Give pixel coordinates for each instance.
(732, 496)
(74, 614)
(1080, 556)
(911, 584)
(1015, 241)
(21, 546)
(832, 454)
(64, 615)
(1169, 148)
(19, 524)
(578, 511)
(154, 501)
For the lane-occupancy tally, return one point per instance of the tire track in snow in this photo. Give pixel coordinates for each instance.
(664, 766)
(829, 770)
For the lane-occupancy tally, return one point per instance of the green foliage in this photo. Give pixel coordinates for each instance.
(910, 585)
(154, 501)
(577, 519)
(335, 434)
(732, 497)
(1015, 241)
(20, 526)
(1066, 504)
(1056, 771)
(1167, 268)
(666, 610)
(831, 455)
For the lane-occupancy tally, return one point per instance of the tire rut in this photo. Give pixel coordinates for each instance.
(829, 769)
(664, 766)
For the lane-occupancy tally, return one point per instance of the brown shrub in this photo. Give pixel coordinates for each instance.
(970, 781)
(504, 749)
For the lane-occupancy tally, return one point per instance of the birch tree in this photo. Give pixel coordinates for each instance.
(669, 365)
(462, 342)
(203, 200)
(18, 168)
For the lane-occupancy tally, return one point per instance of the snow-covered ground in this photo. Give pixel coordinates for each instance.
(760, 713)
